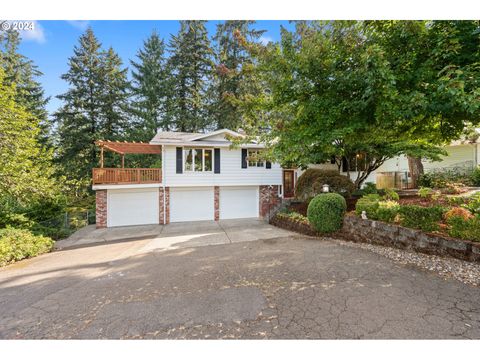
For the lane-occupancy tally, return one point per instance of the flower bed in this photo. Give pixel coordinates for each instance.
(293, 221)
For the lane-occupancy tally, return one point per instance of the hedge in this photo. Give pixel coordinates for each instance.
(17, 244)
(311, 182)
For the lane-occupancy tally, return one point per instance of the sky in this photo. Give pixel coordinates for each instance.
(51, 43)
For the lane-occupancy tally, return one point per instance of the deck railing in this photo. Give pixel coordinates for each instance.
(126, 176)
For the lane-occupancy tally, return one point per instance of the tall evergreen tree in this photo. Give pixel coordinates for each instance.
(22, 72)
(230, 78)
(93, 106)
(190, 68)
(115, 97)
(150, 89)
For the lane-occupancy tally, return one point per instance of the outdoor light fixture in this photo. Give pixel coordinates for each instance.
(325, 188)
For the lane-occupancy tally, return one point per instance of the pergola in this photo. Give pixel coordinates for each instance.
(123, 148)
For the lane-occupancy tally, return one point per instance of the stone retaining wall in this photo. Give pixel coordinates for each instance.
(380, 233)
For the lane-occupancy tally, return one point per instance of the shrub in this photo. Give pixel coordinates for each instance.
(369, 188)
(475, 176)
(391, 194)
(467, 229)
(458, 212)
(325, 212)
(425, 192)
(368, 203)
(387, 210)
(17, 244)
(439, 178)
(419, 217)
(310, 183)
(473, 203)
(294, 216)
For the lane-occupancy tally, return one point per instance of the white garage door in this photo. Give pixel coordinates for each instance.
(239, 202)
(191, 204)
(132, 207)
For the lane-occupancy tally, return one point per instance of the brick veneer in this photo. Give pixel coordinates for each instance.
(269, 200)
(161, 196)
(167, 205)
(101, 208)
(216, 191)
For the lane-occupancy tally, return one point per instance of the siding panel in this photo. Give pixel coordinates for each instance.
(231, 172)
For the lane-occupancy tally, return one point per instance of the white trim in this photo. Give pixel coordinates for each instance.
(219, 184)
(217, 132)
(125, 186)
(206, 144)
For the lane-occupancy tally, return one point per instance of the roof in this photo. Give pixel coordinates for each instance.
(195, 139)
(129, 147)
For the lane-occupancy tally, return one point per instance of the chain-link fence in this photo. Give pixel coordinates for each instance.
(65, 223)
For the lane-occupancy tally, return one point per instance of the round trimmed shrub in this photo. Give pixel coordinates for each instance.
(325, 212)
(310, 183)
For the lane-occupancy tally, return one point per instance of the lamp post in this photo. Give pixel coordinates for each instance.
(325, 188)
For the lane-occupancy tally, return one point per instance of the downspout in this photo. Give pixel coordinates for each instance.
(163, 185)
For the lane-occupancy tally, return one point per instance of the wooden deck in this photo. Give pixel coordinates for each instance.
(126, 176)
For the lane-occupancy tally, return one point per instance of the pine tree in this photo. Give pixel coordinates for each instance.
(150, 89)
(230, 78)
(80, 119)
(190, 69)
(114, 118)
(22, 72)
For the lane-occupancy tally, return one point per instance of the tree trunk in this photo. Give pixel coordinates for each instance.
(415, 167)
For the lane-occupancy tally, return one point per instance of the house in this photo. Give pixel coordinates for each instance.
(202, 177)
(463, 156)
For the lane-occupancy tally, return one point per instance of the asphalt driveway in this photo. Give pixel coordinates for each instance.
(252, 281)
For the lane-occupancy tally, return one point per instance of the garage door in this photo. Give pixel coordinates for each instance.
(191, 204)
(238, 202)
(132, 207)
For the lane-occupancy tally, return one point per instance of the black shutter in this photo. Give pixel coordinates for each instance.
(179, 160)
(244, 158)
(216, 161)
(332, 160)
(268, 164)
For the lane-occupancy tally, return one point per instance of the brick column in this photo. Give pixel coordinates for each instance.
(161, 196)
(269, 199)
(216, 190)
(167, 205)
(101, 208)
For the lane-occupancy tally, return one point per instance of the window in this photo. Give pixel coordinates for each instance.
(254, 159)
(198, 160)
(358, 162)
(208, 160)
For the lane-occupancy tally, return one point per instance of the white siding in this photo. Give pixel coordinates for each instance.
(457, 155)
(231, 172)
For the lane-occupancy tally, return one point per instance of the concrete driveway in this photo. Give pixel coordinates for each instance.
(178, 235)
(282, 286)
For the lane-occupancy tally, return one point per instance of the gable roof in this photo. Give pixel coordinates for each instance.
(195, 139)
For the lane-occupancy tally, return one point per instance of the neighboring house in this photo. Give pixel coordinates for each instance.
(202, 178)
(462, 156)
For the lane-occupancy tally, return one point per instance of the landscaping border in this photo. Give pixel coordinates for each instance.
(380, 233)
(287, 223)
(357, 229)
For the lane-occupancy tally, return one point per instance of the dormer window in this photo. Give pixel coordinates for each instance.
(254, 159)
(198, 160)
